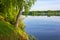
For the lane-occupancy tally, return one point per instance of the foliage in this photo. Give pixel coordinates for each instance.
(21, 23)
(22, 34)
(1, 18)
(10, 8)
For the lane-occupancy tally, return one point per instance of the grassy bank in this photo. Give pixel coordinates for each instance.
(9, 32)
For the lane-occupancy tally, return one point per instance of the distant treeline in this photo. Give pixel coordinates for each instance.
(44, 13)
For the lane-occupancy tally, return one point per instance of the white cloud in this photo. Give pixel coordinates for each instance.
(46, 5)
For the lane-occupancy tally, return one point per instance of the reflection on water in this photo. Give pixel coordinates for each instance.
(43, 27)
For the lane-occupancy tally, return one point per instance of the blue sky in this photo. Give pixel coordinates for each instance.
(46, 5)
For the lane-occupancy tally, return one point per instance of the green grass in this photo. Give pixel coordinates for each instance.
(7, 31)
(5, 28)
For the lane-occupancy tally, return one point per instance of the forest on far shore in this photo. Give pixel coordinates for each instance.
(44, 13)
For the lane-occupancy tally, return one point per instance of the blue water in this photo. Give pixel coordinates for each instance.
(43, 27)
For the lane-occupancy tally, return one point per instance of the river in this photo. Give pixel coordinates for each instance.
(43, 27)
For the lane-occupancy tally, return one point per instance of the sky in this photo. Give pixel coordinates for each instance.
(46, 5)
